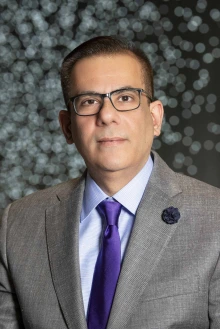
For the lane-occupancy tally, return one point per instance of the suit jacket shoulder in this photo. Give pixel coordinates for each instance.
(46, 197)
(168, 180)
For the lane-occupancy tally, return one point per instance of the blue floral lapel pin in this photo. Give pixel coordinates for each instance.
(171, 215)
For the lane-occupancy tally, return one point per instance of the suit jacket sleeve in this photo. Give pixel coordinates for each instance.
(10, 313)
(214, 298)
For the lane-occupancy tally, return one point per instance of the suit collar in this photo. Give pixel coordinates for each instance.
(163, 178)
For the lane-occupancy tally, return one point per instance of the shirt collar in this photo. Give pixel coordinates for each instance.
(129, 196)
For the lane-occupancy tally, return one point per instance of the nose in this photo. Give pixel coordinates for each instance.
(108, 114)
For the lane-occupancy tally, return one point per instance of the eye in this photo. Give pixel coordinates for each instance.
(88, 101)
(125, 98)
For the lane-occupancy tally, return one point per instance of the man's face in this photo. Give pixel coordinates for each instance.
(110, 140)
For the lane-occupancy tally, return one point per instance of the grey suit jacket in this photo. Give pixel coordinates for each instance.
(170, 277)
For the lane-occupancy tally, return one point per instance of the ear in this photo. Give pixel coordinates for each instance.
(157, 111)
(65, 124)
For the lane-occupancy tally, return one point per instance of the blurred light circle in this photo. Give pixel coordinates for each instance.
(180, 86)
(192, 170)
(211, 98)
(174, 120)
(186, 104)
(204, 28)
(216, 52)
(208, 145)
(201, 4)
(167, 25)
(214, 41)
(155, 16)
(179, 157)
(172, 103)
(187, 13)
(199, 99)
(29, 190)
(194, 23)
(198, 85)
(34, 179)
(176, 40)
(200, 47)
(188, 131)
(174, 70)
(122, 11)
(194, 64)
(215, 15)
(180, 63)
(51, 7)
(196, 109)
(213, 128)
(204, 74)
(178, 11)
(186, 45)
(177, 165)
(188, 95)
(208, 58)
(187, 141)
(210, 108)
(163, 99)
(156, 144)
(196, 146)
(47, 180)
(188, 161)
(217, 147)
(137, 26)
(15, 193)
(63, 177)
(186, 114)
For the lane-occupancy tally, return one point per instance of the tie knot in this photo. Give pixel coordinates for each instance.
(111, 211)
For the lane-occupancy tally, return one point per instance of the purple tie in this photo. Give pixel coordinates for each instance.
(107, 268)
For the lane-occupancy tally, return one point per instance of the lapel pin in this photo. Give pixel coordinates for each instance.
(171, 215)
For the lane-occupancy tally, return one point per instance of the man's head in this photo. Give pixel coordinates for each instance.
(114, 144)
(105, 45)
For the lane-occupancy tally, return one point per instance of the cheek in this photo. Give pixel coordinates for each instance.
(82, 134)
(144, 127)
(146, 134)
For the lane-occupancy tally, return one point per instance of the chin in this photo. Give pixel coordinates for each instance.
(111, 166)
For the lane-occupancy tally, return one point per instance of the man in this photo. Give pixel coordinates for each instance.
(53, 242)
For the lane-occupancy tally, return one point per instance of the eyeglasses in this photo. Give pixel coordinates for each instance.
(126, 99)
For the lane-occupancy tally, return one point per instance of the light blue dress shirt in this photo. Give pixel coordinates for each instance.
(91, 226)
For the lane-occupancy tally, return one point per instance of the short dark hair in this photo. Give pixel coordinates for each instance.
(105, 45)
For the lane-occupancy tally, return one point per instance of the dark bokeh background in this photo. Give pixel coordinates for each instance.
(182, 40)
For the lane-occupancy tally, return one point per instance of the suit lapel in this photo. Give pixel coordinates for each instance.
(62, 229)
(148, 241)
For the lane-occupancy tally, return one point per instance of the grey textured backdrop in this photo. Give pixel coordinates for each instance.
(182, 41)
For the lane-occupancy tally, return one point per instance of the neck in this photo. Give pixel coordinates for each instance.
(113, 181)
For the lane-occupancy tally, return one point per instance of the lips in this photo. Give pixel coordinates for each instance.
(110, 139)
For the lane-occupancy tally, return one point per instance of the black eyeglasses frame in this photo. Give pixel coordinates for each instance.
(140, 90)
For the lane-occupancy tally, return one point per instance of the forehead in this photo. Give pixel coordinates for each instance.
(103, 73)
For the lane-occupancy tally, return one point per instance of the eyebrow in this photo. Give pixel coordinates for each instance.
(96, 92)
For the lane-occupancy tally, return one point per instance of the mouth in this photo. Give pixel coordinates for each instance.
(111, 141)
